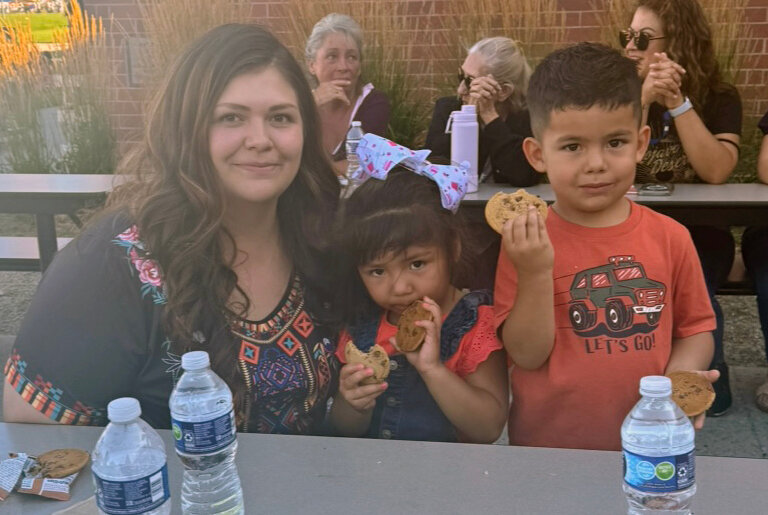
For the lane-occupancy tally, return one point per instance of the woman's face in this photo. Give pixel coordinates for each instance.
(647, 22)
(256, 137)
(338, 58)
(472, 67)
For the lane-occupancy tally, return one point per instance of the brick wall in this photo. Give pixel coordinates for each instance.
(582, 21)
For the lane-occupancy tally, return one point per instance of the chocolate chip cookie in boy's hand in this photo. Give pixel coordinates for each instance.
(409, 335)
(692, 392)
(505, 206)
(376, 358)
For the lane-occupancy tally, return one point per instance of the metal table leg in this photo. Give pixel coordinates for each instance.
(46, 239)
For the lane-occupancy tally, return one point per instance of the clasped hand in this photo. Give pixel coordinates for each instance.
(484, 93)
(663, 82)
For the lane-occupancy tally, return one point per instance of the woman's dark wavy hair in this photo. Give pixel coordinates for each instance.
(688, 41)
(178, 202)
(389, 216)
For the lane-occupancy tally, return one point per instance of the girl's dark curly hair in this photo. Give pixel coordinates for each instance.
(688, 38)
(179, 204)
(389, 216)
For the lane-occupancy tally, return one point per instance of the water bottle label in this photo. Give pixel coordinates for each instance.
(659, 474)
(204, 437)
(135, 496)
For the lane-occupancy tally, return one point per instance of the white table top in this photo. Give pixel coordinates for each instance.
(302, 474)
(45, 183)
(683, 194)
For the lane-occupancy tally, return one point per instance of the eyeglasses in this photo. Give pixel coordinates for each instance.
(640, 39)
(463, 77)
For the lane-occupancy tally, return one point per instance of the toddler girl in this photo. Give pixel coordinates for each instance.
(403, 244)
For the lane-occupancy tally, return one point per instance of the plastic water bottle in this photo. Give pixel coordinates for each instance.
(203, 424)
(354, 134)
(465, 141)
(658, 443)
(130, 472)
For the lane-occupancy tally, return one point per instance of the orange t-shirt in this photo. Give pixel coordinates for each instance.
(622, 294)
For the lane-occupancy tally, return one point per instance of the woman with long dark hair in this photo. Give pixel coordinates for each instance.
(695, 120)
(215, 243)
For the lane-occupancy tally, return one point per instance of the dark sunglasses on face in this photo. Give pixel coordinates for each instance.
(466, 79)
(640, 39)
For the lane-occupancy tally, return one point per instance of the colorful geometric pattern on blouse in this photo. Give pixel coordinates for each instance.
(286, 377)
(147, 268)
(48, 400)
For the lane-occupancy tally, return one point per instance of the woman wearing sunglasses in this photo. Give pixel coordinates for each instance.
(494, 78)
(695, 121)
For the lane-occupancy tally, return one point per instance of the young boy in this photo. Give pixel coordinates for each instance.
(606, 291)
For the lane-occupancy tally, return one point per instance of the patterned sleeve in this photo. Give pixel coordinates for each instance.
(84, 337)
(476, 345)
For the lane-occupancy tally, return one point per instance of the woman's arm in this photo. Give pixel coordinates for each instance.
(762, 161)
(16, 409)
(712, 156)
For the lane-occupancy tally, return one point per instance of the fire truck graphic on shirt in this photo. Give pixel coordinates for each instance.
(619, 291)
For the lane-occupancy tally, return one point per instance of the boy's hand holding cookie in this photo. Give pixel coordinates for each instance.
(526, 243)
(693, 392)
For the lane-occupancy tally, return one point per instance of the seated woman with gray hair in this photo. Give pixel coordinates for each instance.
(334, 55)
(494, 77)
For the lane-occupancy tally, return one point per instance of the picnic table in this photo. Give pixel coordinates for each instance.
(303, 474)
(690, 204)
(45, 195)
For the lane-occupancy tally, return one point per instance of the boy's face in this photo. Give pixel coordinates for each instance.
(589, 156)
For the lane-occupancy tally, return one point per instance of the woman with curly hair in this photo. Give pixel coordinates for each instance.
(695, 120)
(216, 244)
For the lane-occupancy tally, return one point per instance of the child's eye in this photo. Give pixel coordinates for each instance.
(375, 272)
(418, 264)
(616, 143)
(571, 147)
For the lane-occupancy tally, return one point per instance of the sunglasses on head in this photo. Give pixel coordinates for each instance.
(466, 79)
(640, 39)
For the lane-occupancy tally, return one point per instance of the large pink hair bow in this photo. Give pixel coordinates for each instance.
(379, 155)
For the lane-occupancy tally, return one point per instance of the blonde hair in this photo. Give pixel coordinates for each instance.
(504, 59)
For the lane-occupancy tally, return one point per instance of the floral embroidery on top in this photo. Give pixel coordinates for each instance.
(148, 269)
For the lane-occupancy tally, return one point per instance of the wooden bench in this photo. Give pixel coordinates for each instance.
(21, 254)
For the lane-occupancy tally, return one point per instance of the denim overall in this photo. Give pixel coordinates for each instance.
(406, 410)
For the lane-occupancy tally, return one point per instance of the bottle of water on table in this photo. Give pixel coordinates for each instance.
(203, 424)
(130, 473)
(354, 134)
(658, 446)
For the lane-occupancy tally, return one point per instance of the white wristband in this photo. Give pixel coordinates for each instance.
(682, 108)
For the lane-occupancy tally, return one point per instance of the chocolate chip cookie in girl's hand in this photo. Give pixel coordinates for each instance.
(403, 240)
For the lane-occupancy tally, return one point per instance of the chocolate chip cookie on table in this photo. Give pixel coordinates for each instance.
(402, 247)
(48, 475)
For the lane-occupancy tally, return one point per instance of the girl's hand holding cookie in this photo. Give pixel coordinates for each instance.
(526, 243)
(426, 357)
(361, 397)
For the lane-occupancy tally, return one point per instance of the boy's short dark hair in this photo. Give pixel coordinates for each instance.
(581, 76)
